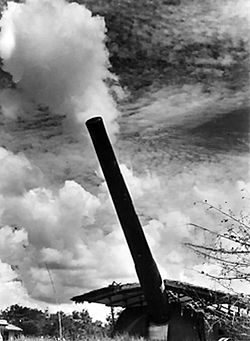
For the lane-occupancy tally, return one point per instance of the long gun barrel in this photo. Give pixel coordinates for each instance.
(146, 268)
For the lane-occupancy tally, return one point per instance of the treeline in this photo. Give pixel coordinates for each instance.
(34, 322)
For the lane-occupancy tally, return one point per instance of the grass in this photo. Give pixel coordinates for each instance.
(90, 338)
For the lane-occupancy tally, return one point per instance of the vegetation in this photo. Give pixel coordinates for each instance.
(97, 338)
(230, 248)
(227, 248)
(39, 325)
(78, 325)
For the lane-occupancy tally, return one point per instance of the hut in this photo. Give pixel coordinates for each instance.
(157, 309)
(224, 314)
(8, 331)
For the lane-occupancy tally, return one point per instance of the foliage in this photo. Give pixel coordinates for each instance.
(227, 247)
(38, 323)
(98, 338)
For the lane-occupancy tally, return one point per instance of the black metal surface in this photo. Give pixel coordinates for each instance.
(146, 268)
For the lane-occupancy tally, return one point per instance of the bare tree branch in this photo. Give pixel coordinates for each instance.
(219, 250)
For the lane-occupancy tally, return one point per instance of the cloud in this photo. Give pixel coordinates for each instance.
(17, 294)
(73, 236)
(67, 230)
(56, 54)
(235, 16)
(17, 174)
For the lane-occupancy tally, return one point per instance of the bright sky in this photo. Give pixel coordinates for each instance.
(173, 144)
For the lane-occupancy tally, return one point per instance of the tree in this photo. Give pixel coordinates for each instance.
(30, 327)
(228, 248)
(30, 320)
(35, 322)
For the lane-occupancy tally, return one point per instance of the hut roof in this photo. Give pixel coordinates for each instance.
(3, 322)
(11, 327)
(8, 326)
(131, 295)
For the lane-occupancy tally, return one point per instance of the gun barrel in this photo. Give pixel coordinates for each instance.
(146, 268)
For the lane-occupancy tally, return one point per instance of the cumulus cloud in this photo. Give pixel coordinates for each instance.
(17, 174)
(11, 285)
(56, 54)
(76, 235)
(68, 230)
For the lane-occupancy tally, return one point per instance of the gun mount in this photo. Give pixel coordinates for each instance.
(155, 309)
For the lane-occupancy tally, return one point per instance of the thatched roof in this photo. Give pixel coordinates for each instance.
(8, 326)
(128, 295)
(11, 327)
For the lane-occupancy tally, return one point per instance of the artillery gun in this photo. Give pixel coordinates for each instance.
(155, 309)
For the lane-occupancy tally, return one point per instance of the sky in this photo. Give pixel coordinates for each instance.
(177, 146)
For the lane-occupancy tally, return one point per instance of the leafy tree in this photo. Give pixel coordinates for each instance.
(30, 327)
(30, 320)
(34, 322)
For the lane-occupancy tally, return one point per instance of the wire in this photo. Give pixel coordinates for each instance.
(55, 293)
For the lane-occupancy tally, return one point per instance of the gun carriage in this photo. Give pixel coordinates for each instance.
(156, 309)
